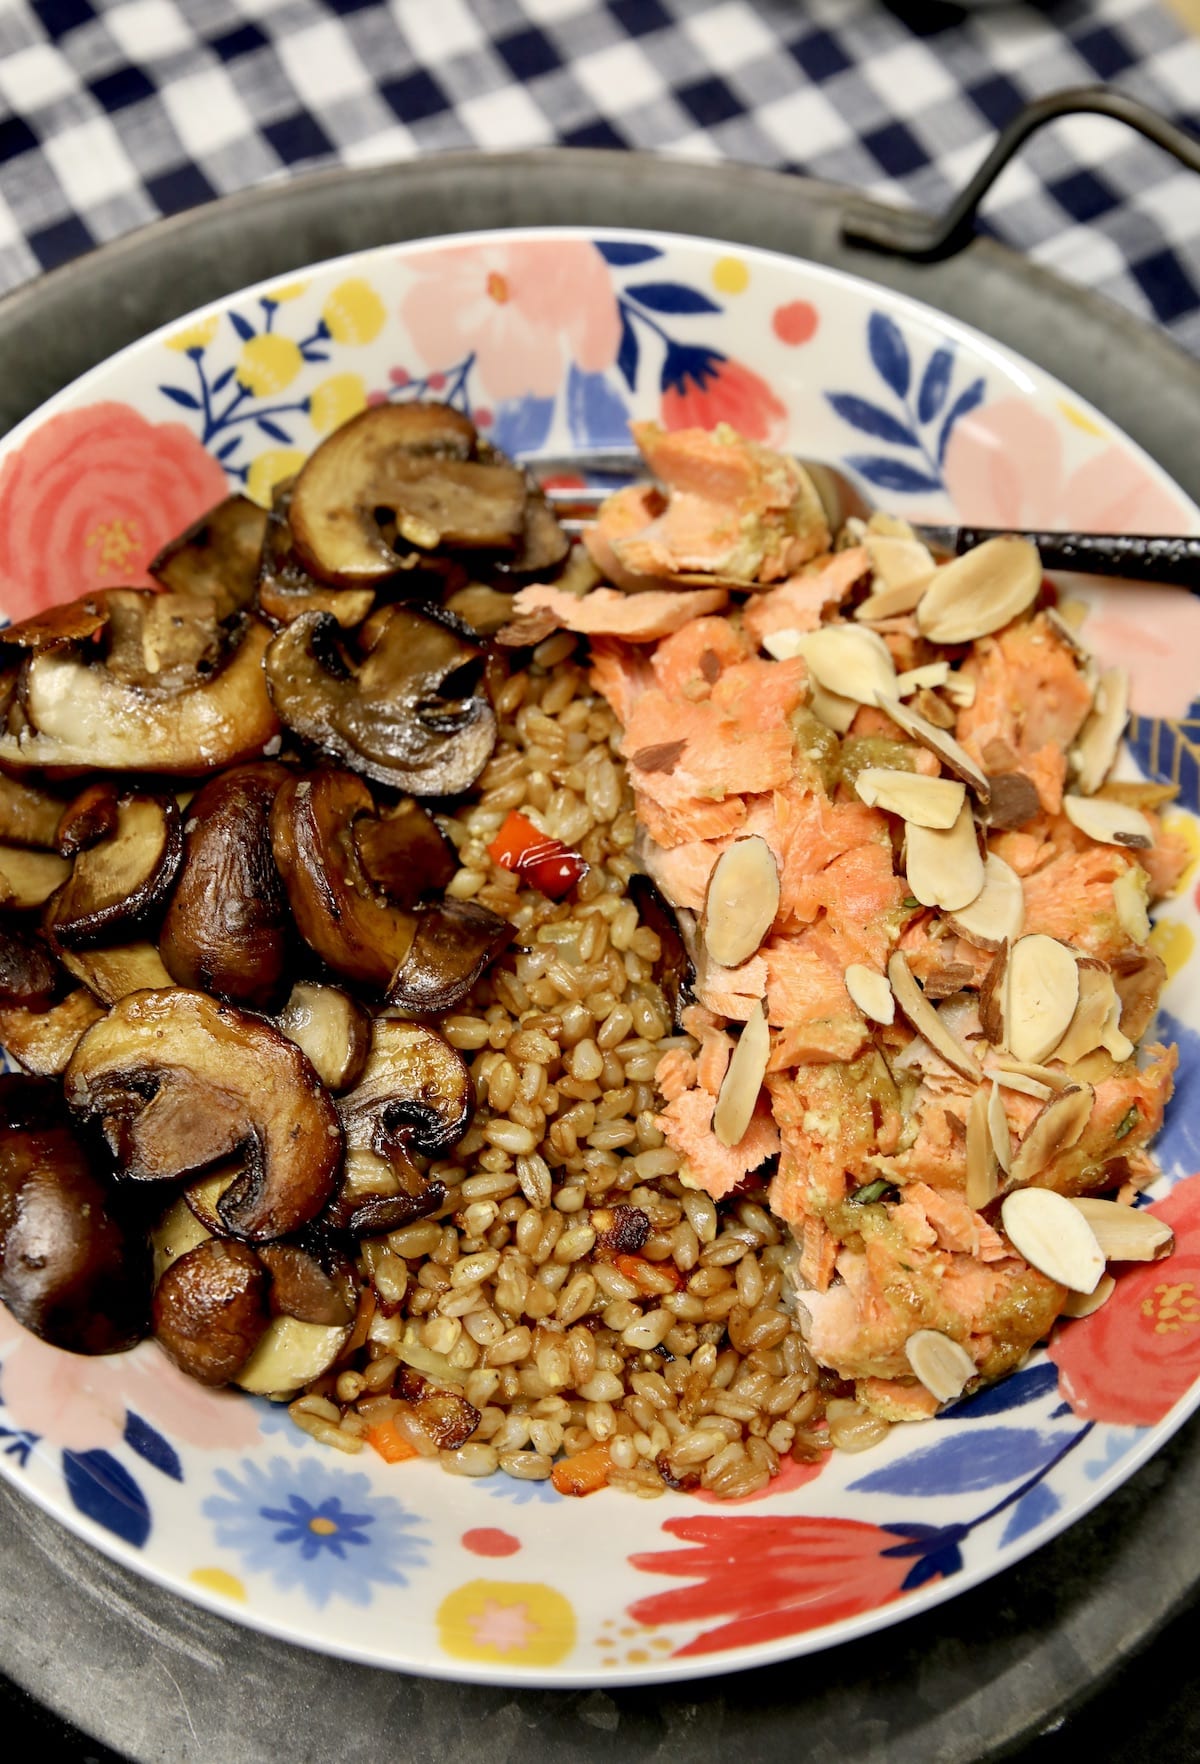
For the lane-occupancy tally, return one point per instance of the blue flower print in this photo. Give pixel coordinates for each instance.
(511, 1488)
(313, 1526)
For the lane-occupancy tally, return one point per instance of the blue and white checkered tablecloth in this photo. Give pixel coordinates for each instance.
(113, 112)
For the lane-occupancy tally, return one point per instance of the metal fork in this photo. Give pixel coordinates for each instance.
(1139, 557)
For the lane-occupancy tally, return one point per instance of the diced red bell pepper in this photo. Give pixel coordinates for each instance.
(544, 863)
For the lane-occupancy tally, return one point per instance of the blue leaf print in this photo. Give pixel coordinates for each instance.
(105, 1492)
(177, 394)
(1177, 1147)
(1011, 1393)
(963, 1463)
(871, 419)
(228, 447)
(244, 330)
(273, 430)
(522, 424)
(892, 474)
(149, 1443)
(1040, 1503)
(628, 353)
(596, 412)
(889, 352)
(941, 1562)
(965, 402)
(935, 383)
(619, 254)
(692, 362)
(671, 297)
(222, 380)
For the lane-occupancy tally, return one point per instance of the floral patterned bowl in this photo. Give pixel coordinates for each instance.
(549, 339)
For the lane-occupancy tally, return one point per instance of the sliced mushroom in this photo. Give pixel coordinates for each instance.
(28, 815)
(70, 1269)
(331, 1029)
(113, 973)
(415, 462)
(405, 853)
(118, 883)
(379, 1194)
(81, 715)
(29, 878)
(28, 973)
(456, 941)
(674, 971)
(227, 929)
(162, 642)
(44, 1041)
(411, 714)
(176, 1082)
(173, 1235)
(216, 556)
(311, 1280)
(88, 818)
(415, 1091)
(285, 588)
(210, 1309)
(290, 1355)
(74, 621)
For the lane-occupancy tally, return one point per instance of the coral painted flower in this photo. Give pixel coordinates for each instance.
(511, 1622)
(268, 364)
(1132, 1360)
(310, 1525)
(526, 310)
(775, 1577)
(702, 387)
(90, 497)
(336, 400)
(354, 313)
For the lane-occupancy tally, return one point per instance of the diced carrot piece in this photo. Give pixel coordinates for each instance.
(545, 863)
(389, 1442)
(585, 1472)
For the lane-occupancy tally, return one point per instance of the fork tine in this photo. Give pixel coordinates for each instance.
(614, 462)
(586, 496)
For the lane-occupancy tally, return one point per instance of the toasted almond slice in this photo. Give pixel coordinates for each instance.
(954, 757)
(1067, 632)
(1054, 1237)
(1007, 1079)
(925, 1019)
(944, 867)
(903, 568)
(991, 997)
(1114, 1039)
(985, 588)
(1059, 1126)
(998, 1129)
(1099, 740)
(742, 900)
(943, 1366)
(871, 993)
(1088, 1026)
(1082, 1304)
(1130, 893)
(931, 675)
(743, 1081)
(982, 1185)
(997, 914)
(849, 662)
(837, 713)
(1030, 1069)
(1125, 1234)
(926, 802)
(784, 645)
(960, 689)
(1139, 793)
(1109, 823)
(1040, 995)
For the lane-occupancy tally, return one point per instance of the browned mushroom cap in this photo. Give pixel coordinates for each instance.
(415, 1093)
(28, 816)
(69, 1269)
(118, 883)
(311, 1280)
(543, 545)
(29, 878)
(210, 1309)
(28, 971)
(217, 555)
(285, 588)
(456, 941)
(162, 642)
(88, 818)
(227, 927)
(72, 622)
(115, 971)
(44, 1040)
(405, 853)
(177, 1082)
(332, 1029)
(82, 714)
(415, 462)
(410, 714)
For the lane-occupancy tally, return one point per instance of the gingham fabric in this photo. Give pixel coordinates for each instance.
(113, 112)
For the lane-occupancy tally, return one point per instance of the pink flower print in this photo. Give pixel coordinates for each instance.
(526, 309)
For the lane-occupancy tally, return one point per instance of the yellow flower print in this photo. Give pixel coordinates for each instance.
(267, 470)
(336, 400)
(286, 291)
(354, 313)
(511, 1621)
(219, 1580)
(1186, 829)
(1173, 943)
(267, 364)
(195, 336)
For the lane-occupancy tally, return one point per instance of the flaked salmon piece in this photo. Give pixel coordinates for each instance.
(798, 603)
(956, 1226)
(818, 1252)
(675, 1073)
(604, 612)
(810, 833)
(896, 1399)
(689, 663)
(807, 1000)
(827, 1131)
(690, 819)
(679, 753)
(1167, 860)
(712, 1062)
(1030, 695)
(1071, 898)
(620, 674)
(733, 992)
(761, 695)
(928, 954)
(696, 1018)
(860, 895)
(938, 1156)
(686, 1124)
(626, 512)
(683, 872)
(1023, 851)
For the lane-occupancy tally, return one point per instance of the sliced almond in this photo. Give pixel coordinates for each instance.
(784, 645)
(982, 1185)
(742, 900)
(837, 713)
(960, 689)
(943, 1366)
(1030, 1069)
(852, 663)
(902, 567)
(871, 993)
(1040, 995)
(1066, 632)
(1059, 1126)
(953, 756)
(922, 679)
(1114, 1039)
(743, 1081)
(1130, 893)
(1125, 1234)
(1139, 793)
(1054, 1237)
(943, 866)
(925, 1019)
(1082, 1304)
(1007, 1079)
(1099, 740)
(926, 802)
(1098, 1007)
(991, 997)
(998, 1129)
(1109, 823)
(997, 914)
(985, 588)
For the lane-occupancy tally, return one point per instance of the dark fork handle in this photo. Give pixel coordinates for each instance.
(1138, 558)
